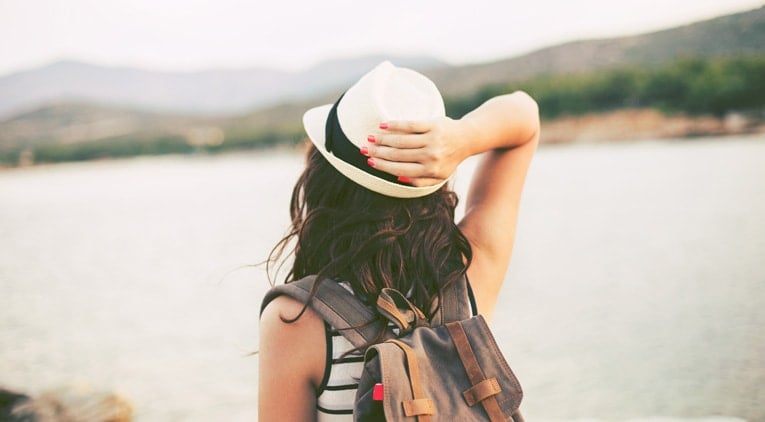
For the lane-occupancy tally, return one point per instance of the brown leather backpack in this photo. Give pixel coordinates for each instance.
(445, 369)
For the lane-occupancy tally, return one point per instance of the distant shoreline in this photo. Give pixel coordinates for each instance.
(609, 127)
(645, 123)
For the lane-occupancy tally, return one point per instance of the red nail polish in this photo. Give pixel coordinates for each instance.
(364, 150)
(404, 179)
(371, 162)
(371, 139)
(383, 125)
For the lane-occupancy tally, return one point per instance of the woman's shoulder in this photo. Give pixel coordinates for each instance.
(284, 307)
(278, 320)
(298, 343)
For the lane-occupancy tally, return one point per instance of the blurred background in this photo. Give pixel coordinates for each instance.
(148, 151)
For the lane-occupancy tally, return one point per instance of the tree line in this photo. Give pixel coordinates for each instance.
(691, 85)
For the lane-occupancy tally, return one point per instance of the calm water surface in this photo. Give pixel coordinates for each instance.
(637, 288)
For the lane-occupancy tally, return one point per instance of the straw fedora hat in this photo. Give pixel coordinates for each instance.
(385, 93)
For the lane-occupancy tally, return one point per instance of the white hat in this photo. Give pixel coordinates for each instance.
(384, 94)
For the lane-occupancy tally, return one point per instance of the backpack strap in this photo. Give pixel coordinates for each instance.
(454, 303)
(337, 306)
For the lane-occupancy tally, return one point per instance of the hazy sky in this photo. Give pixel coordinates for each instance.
(187, 35)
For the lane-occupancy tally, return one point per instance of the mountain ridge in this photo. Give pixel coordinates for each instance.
(237, 91)
(731, 35)
(214, 91)
(60, 123)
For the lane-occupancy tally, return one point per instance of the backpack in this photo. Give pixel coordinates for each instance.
(445, 369)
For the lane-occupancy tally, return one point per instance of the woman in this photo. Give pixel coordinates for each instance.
(372, 210)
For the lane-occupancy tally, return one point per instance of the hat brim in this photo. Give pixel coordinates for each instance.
(314, 122)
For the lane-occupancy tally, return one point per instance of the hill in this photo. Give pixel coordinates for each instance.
(223, 92)
(741, 34)
(716, 49)
(208, 92)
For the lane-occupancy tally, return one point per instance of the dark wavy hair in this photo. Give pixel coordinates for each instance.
(342, 231)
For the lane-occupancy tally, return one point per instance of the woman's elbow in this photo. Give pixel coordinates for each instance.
(527, 109)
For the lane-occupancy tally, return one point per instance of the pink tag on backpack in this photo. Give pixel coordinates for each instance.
(377, 392)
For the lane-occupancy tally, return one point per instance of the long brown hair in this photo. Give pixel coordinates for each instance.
(343, 231)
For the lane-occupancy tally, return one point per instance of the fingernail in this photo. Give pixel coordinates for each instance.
(371, 139)
(383, 125)
(404, 179)
(371, 162)
(364, 150)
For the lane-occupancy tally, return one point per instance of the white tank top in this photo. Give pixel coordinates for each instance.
(335, 401)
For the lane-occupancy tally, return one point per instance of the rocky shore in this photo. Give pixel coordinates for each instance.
(65, 404)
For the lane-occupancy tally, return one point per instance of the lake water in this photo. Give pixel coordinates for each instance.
(636, 292)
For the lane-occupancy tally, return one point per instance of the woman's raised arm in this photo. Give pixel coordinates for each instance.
(506, 128)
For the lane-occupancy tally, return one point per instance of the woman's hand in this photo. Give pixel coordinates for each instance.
(420, 153)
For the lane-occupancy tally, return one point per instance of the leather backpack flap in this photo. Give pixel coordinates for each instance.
(441, 386)
(405, 395)
(493, 383)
